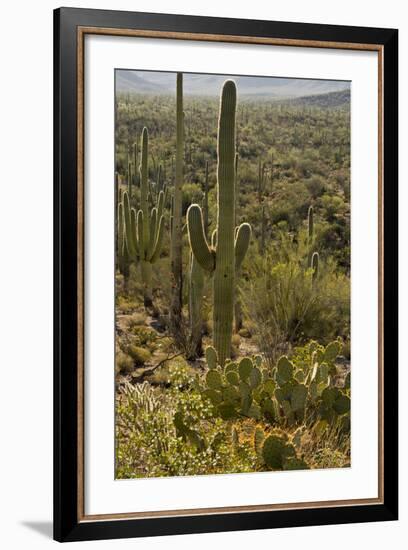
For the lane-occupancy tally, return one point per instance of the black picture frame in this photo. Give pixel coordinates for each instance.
(67, 525)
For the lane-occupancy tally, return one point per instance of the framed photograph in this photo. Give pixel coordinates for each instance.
(225, 274)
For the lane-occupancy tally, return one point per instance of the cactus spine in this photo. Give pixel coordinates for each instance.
(176, 232)
(231, 245)
(144, 231)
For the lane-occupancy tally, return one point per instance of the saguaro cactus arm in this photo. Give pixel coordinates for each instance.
(153, 233)
(133, 227)
(160, 204)
(140, 233)
(159, 241)
(310, 223)
(243, 236)
(198, 242)
(315, 265)
(120, 229)
(129, 234)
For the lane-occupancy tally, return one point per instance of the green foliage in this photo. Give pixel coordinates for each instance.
(175, 434)
(283, 305)
(124, 362)
(276, 452)
(139, 355)
(290, 407)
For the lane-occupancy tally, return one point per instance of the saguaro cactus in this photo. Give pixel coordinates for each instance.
(177, 230)
(196, 289)
(144, 231)
(135, 161)
(205, 200)
(123, 254)
(310, 243)
(315, 266)
(231, 244)
(238, 305)
(129, 179)
(261, 180)
(310, 224)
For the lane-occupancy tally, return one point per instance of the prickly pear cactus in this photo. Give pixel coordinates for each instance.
(279, 453)
(281, 397)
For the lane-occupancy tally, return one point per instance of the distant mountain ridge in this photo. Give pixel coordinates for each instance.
(162, 83)
(330, 100)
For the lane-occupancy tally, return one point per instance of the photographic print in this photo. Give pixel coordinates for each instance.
(232, 274)
(225, 274)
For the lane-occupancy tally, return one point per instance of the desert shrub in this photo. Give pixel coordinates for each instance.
(176, 371)
(315, 186)
(124, 362)
(285, 306)
(125, 304)
(139, 355)
(191, 193)
(152, 441)
(135, 320)
(236, 340)
(144, 336)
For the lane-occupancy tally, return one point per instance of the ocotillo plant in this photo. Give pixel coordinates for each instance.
(144, 231)
(176, 232)
(231, 245)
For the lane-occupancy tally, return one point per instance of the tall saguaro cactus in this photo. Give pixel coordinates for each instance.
(205, 199)
(310, 235)
(177, 230)
(226, 254)
(144, 230)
